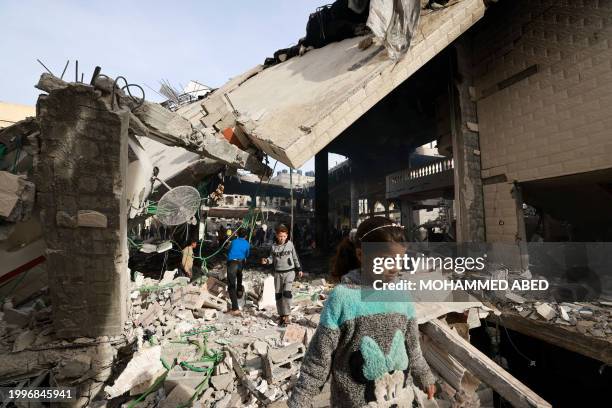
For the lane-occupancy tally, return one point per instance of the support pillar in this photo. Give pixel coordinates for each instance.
(81, 178)
(466, 150)
(321, 201)
(406, 218)
(354, 202)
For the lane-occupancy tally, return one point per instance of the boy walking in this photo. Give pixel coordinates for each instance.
(237, 254)
(284, 259)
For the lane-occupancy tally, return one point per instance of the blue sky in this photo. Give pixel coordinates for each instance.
(145, 41)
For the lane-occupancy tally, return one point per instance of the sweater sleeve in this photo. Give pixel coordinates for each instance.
(317, 363)
(296, 261)
(418, 366)
(316, 367)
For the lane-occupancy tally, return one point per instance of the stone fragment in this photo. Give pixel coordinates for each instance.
(215, 286)
(74, 368)
(17, 317)
(180, 395)
(267, 300)
(153, 312)
(260, 347)
(24, 340)
(179, 376)
(91, 219)
(294, 334)
(223, 382)
(546, 311)
(143, 366)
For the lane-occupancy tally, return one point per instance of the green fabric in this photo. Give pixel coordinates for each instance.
(376, 363)
(346, 304)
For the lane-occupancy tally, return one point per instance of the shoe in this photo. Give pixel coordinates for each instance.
(234, 313)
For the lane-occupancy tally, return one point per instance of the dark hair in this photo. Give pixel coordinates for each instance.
(242, 232)
(371, 230)
(281, 228)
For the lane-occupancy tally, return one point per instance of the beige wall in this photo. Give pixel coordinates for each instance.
(11, 113)
(555, 122)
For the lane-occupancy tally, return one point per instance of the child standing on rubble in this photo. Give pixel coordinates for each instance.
(284, 259)
(363, 338)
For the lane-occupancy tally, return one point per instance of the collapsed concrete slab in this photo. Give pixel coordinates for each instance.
(16, 197)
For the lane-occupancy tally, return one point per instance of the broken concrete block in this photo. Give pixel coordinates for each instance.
(180, 395)
(153, 312)
(515, 298)
(318, 282)
(178, 376)
(17, 317)
(142, 387)
(224, 402)
(473, 318)
(279, 364)
(211, 301)
(24, 340)
(215, 286)
(168, 276)
(91, 219)
(546, 311)
(564, 314)
(260, 347)
(144, 365)
(74, 368)
(223, 382)
(267, 300)
(294, 333)
(16, 197)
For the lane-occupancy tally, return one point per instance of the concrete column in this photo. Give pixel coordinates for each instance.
(406, 217)
(354, 202)
(466, 150)
(386, 204)
(321, 201)
(81, 178)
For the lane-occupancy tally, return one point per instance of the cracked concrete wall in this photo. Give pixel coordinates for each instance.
(81, 178)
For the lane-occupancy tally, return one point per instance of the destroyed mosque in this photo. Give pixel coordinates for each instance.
(472, 129)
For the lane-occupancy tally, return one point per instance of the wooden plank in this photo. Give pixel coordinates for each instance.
(511, 389)
(598, 348)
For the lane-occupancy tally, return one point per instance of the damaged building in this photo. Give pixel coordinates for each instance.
(485, 123)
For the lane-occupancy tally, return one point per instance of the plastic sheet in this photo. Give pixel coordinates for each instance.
(394, 22)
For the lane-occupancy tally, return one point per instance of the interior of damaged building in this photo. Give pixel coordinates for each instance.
(143, 243)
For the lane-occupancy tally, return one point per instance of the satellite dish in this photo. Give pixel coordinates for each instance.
(178, 205)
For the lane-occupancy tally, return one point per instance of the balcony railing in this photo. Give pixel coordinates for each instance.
(407, 178)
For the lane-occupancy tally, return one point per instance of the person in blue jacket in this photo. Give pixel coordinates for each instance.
(237, 254)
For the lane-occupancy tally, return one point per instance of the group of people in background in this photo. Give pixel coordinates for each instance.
(284, 260)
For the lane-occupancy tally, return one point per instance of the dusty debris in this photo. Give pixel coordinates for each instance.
(281, 363)
(16, 197)
(546, 311)
(143, 366)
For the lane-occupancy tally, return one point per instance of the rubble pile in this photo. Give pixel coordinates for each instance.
(189, 351)
(594, 318)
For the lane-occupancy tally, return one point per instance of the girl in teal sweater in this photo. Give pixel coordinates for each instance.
(362, 336)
